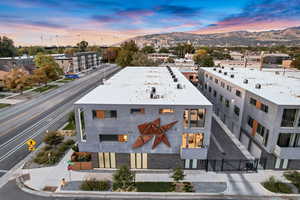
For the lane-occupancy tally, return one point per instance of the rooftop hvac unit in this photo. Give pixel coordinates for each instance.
(232, 68)
(214, 69)
(151, 95)
(225, 73)
(179, 86)
(220, 71)
(231, 76)
(245, 81)
(258, 86)
(173, 76)
(222, 67)
(277, 73)
(175, 80)
(153, 90)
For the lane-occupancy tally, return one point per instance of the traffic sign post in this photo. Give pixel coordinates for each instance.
(31, 144)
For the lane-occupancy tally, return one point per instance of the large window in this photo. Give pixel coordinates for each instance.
(194, 118)
(81, 124)
(264, 108)
(250, 121)
(263, 132)
(113, 138)
(253, 101)
(215, 93)
(222, 84)
(227, 103)
(221, 98)
(137, 111)
(102, 114)
(229, 88)
(288, 117)
(289, 140)
(166, 111)
(192, 140)
(236, 110)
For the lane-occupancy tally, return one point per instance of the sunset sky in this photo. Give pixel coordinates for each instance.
(105, 22)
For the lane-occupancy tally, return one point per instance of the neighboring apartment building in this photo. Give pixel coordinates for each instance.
(145, 117)
(78, 62)
(261, 108)
(24, 62)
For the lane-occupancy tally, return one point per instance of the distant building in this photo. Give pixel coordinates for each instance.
(183, 62)
(162, 57)
(24, 62)
(145, 117)
(261, 108)
(78, 62)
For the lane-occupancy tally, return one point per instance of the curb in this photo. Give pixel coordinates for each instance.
(139, 195)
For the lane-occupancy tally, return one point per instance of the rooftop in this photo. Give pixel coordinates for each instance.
(133, 85)
(277, 86)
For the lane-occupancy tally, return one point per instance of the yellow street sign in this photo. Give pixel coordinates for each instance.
(31, 148)
(31, 142)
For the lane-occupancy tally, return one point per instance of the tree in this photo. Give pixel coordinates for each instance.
(296, 63)
(141, 59)
(148, 49)
(17, 79)
(178, 174)
(48, 65)
(204, 60)
(7, 48)
(163, 50)
(201, 52)
(130, 46)
(182, 49)
(39, 76)
(124, 179)
(110, 54)
(124, 58)
(70, 51)
(53, 138)
(82, 46)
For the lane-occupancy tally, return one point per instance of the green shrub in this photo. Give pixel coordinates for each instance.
(69, 142)
(53, 138)
(276, 186)
(84, 157)
(75, 148)
(155, 186)
(95, 185)
(43, 158)
(62, 148)
(178, 174)
(47, 148)
(294, 177)
(187, 187)
(123, 179)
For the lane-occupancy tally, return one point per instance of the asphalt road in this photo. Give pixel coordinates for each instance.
(32, 118)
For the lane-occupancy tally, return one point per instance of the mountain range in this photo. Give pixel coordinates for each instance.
(289, 37)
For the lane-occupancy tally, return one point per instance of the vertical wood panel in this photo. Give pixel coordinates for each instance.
(113, 160)
(106, 160)
(145, 161)
(101, 160)
(132, 160)
(138, 160)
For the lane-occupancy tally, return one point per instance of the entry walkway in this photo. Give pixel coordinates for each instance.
(237, 183)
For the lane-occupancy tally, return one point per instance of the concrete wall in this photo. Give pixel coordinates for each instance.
(127, 123)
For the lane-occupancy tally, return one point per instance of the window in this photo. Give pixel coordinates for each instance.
(113, 138)
(222, 84)
(229, 88)
(288, 117)
(284, 140)
(238, 93)
(263, 132)
(264, 108)
(206, 75)
(209, 89)
(227, 103)
(221, 98)
(102, 114)
(216, 81)
(192, 140)
(236, 110)
(194, 118)
(210, 78)
(205, 86)
(215, 93)
(137, 111)
(250, 121)
(166, 110)
(81, 124)
(253, 101)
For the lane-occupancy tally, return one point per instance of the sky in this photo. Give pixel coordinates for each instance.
(106, 22)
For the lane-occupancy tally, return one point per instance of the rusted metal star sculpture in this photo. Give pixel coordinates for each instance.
(148, 130)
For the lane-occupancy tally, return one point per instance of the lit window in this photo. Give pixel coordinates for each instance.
(137, 111)
(192, 140)
(102, 114)
(194, 118)
(113, 138)
(166, 110)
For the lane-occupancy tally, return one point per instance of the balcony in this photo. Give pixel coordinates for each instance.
(193, 153)
(287, 152)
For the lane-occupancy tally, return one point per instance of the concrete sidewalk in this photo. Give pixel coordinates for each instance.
(237, 183)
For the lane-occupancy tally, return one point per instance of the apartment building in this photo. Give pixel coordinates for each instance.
(145, 117)
(261, 108)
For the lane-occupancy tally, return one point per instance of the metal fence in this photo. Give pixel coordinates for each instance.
(229, 165)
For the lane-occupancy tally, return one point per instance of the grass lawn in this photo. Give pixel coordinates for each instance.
(154, 186)
(277, 186)
(3, 105)
(70, 126)
(65, 80)
(45, 88)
